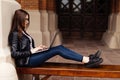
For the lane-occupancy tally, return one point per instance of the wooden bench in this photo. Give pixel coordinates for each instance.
(68, 69)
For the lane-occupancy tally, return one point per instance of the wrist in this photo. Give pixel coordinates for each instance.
(32, 51)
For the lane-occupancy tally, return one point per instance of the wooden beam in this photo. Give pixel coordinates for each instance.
(66, 69)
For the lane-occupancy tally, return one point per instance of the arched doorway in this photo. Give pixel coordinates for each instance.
(83, 19)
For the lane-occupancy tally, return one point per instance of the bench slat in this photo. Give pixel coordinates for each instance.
(68, 69)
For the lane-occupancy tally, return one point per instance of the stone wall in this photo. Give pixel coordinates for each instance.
(112, 36)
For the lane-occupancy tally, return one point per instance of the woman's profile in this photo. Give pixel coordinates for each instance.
(25, 53)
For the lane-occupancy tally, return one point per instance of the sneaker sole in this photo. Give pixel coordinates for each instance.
(94, 64)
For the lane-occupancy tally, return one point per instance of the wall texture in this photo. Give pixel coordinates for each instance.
(37, 4)
(29, 4)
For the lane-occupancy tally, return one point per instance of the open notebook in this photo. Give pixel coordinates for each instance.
(51, 43)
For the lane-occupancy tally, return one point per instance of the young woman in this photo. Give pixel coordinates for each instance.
(25, 53)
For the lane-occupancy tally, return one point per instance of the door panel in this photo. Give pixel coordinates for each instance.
(76, 23)
(64, 23)
(89, 23)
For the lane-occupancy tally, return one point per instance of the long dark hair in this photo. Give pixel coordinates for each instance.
(18, 22)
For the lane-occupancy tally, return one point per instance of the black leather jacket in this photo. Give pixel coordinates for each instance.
(20, 48)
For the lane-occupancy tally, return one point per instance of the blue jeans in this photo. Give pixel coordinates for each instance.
(39, 58)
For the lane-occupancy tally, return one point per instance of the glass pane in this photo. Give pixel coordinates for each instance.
(64, 6)
(89, 7)
(102, 6)
(65, 3)
(76, 5)
(77, 2)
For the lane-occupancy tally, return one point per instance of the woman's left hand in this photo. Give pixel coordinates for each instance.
(43, 47)
(39, 48)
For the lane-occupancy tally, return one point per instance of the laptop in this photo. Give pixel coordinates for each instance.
(51, 43)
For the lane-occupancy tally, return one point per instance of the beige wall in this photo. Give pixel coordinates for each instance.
(0, 25)
(7, 8)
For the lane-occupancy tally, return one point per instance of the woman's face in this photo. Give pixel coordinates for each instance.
(26, 21)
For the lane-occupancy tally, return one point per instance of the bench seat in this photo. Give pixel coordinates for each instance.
(70, 69)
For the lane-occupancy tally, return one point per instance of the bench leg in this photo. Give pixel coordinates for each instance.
(35, 77)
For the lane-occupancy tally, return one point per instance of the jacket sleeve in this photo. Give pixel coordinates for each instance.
(15, 51)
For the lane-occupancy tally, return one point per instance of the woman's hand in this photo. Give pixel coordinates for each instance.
(39, 48)
(43, 47)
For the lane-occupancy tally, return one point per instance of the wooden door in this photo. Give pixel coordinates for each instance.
(83, 18)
